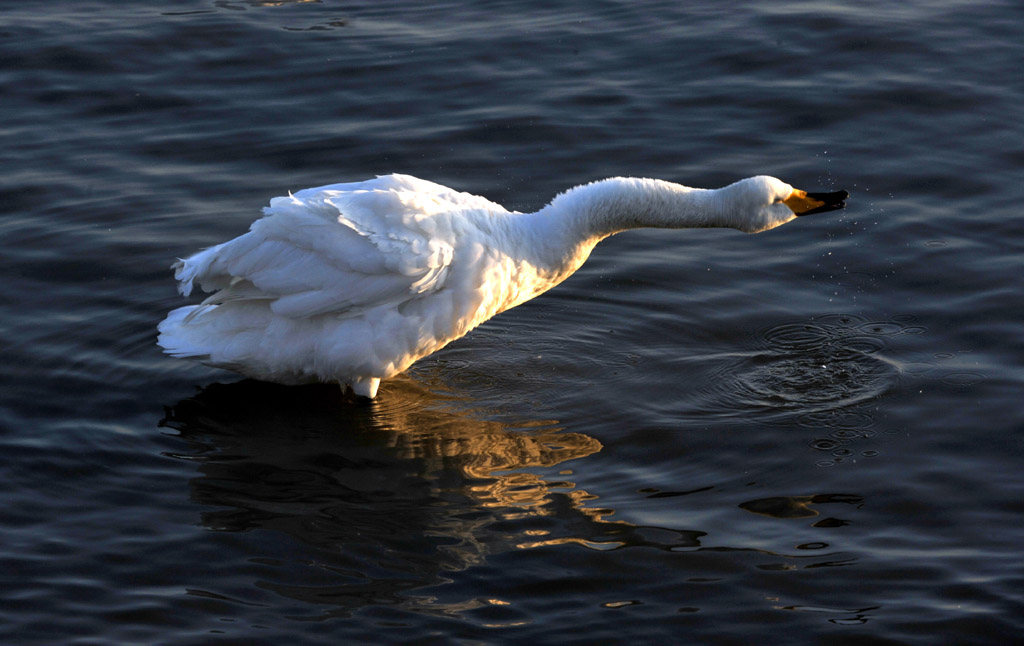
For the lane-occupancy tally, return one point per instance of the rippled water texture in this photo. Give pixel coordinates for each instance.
(702, 437)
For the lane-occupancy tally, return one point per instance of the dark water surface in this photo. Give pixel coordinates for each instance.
(812, 435)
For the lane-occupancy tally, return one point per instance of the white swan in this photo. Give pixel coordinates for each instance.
(352, 283)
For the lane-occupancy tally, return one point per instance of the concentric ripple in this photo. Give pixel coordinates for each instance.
(826, 363)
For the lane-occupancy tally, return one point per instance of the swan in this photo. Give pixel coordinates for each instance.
(352, 283)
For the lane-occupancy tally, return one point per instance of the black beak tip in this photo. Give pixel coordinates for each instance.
(832, 201)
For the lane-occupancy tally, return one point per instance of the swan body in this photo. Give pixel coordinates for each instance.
(352, 283)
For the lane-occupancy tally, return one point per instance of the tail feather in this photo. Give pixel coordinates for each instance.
(197, 267)
(173, 337)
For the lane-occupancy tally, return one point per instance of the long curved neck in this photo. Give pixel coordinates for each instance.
(559, 237)
(602, 208)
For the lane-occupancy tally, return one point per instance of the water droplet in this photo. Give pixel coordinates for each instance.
(824, 444)
(884, 328)
(963, 379)
(845, 434)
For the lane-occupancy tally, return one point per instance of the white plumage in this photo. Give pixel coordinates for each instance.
(352, 283)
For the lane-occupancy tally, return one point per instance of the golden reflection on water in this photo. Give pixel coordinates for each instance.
(380, 502)
(417, 479)
(426, 428)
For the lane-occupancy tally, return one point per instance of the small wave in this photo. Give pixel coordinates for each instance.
(830, 362)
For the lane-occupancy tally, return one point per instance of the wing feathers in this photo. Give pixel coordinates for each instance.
(336, 249)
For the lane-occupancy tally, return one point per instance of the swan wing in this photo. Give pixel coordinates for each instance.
(342, 248)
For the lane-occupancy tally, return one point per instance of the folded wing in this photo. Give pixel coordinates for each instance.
(339, 249)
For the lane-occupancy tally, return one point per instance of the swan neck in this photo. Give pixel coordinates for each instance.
(607, 207)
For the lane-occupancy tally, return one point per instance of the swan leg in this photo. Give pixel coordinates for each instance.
(365, 387)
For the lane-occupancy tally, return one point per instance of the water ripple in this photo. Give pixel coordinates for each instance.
(827, 363)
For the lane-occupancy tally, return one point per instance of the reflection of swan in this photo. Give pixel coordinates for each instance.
(352, 283)
(328, 508)
(413, 425)
(409, 482)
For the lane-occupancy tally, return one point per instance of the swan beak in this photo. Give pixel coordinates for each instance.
(804, 203)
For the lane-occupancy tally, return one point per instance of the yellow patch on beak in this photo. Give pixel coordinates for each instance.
(799, 202)
(804, 203)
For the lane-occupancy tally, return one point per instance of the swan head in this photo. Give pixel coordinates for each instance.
(762, 203)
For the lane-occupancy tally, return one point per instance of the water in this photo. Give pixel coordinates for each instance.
(701, 437)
